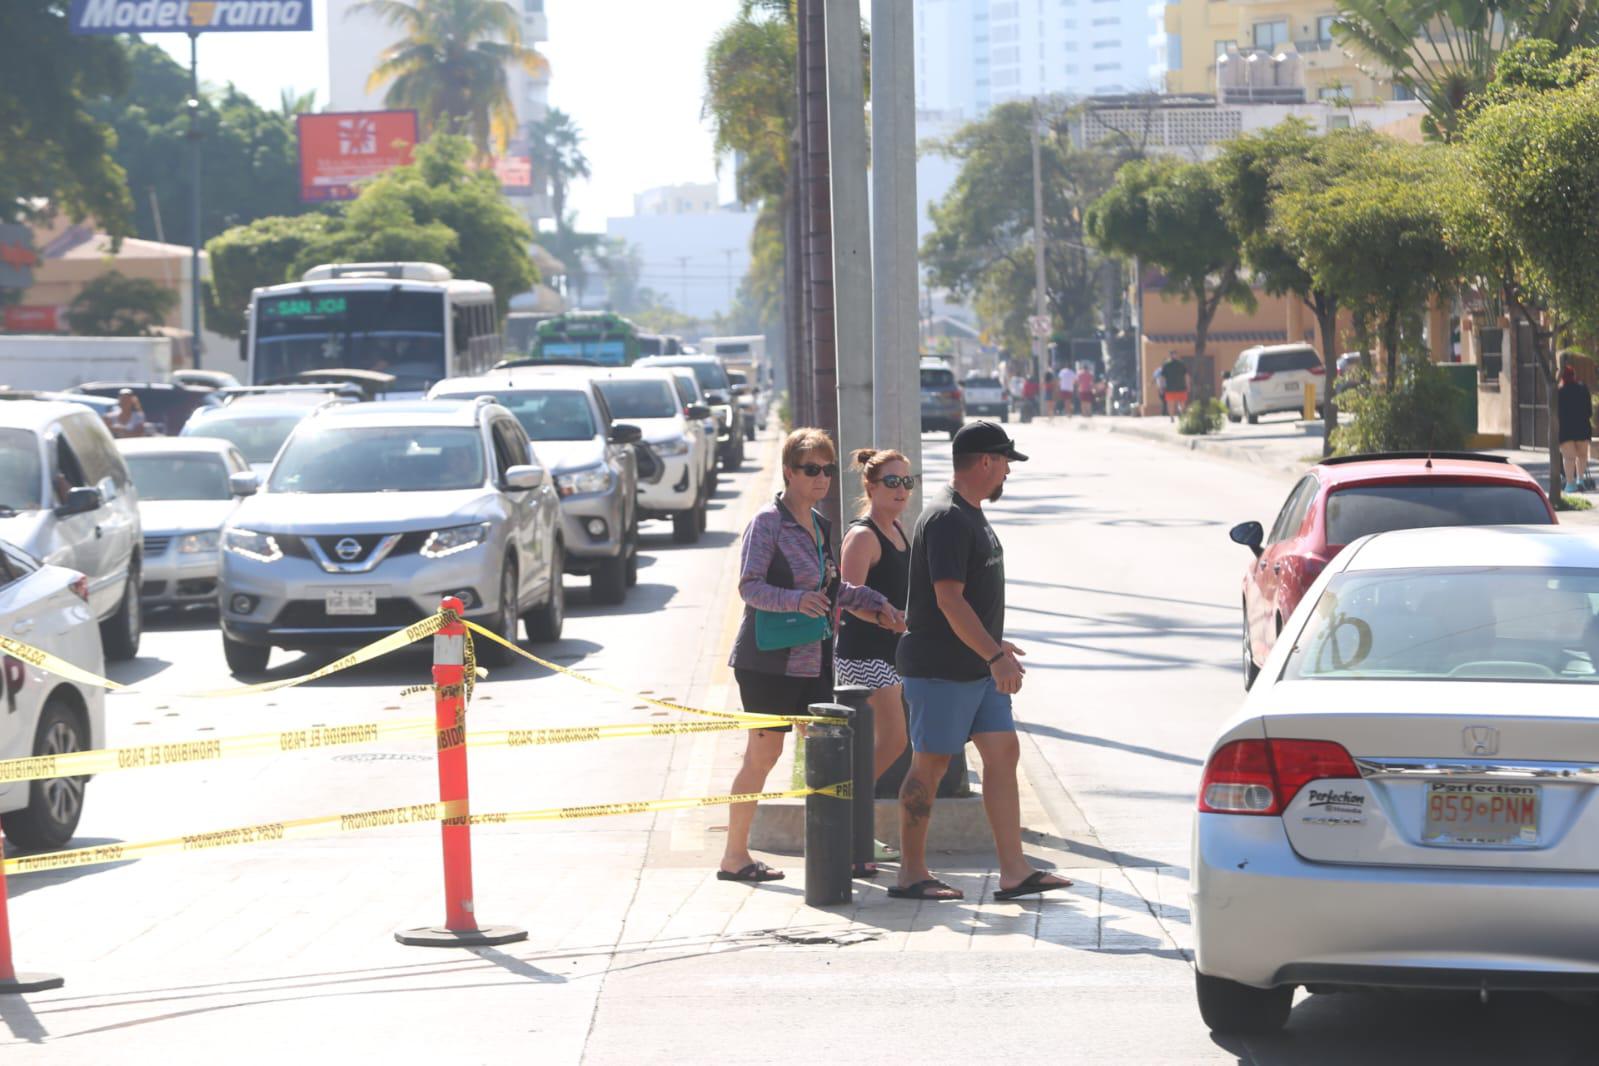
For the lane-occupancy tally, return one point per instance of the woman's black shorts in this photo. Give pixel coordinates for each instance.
(763, 693)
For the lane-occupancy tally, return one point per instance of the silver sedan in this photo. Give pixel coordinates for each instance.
(1407, 797)
(185, 495)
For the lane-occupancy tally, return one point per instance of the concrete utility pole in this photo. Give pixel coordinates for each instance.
(196, 345)
(852, 230)
(823, 387)
(1040, 300)
(896, 335)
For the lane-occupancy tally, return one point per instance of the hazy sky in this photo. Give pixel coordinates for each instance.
(629, 72)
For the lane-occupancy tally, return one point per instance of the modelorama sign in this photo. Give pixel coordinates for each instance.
(184, 16)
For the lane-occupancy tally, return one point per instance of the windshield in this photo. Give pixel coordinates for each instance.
(546, 415)
(711, 376)
(982, 383)
(938, 379)
(397, 332)
(381, 459)
(1279, 362)
(1362, 509)
(180, 477)
(1487, 623)
(686, 390)
(603, 352)
(20, 474)
(521, 335)
(639, 399)
(258, 439)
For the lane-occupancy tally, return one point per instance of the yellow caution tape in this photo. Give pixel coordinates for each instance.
(667, 704)
(301, 828)
(43, 660)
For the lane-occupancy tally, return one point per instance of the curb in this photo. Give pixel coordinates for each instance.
(959, 825)
(1230, 450)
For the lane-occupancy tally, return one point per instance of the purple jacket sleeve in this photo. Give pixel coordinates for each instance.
(755, 556)
(860, 598)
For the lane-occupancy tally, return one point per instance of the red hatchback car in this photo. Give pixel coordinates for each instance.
(1341, 500)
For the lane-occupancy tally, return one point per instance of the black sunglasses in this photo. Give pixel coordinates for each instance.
(812, 470)
(898, 481)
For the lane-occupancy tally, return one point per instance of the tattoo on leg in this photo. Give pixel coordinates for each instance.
(913, 794)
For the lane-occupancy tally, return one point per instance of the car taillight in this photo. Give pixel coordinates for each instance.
(1318, 369)
(1264, 776)
(1264, 375)
(80, 587)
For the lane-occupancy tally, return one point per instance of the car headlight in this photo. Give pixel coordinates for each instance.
(589, 479)
(670, 446)
(262, 547)
(442, 542)
(196, 543)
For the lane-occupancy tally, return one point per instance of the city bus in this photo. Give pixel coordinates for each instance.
(598, 337)
(413, 321)
(744, 355)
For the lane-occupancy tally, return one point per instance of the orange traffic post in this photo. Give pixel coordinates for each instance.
(460, 928)
(12, 982)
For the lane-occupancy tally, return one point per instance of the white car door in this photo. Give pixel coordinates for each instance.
(527, 535)
(19, 701)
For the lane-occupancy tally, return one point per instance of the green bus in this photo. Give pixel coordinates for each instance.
(599, 337)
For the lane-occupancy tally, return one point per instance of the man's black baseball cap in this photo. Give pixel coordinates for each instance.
(985, 438)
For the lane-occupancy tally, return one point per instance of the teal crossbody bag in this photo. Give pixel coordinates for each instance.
(776, 630)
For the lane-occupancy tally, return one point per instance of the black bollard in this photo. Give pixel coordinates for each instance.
(864, 760)
(827, 818)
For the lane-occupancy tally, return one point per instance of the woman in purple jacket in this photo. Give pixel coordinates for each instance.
(787, 568)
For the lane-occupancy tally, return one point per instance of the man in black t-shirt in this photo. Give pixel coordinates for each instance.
(959, 673)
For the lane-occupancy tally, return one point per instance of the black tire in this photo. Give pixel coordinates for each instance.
(1249, 416)
(749, 431)
(543, 623)
(732, 460)
(632, 554)
(1229, 1007)
(702, 513)
(120, 633)
(54, 806)
(245, 660)
(1231, 416)
(686, 525)
(608, 580)
(739, 446)
(1251, 670)
(1004, 416)
(489, 652)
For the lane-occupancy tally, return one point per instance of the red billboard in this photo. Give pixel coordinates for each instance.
(33, 318)
(339, 149)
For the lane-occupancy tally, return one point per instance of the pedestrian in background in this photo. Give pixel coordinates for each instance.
(783, 656)
(1051, 394)
(960, 674)
(1175, 374)
(1085, 391)
(1160, 388)
(1575, 408)
(128, 419)
(877, 555)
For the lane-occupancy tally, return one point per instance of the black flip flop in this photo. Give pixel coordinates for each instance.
(932, 889)
(1032, 886)
(754, 873)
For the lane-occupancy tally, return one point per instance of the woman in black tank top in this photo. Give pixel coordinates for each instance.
(877, 554)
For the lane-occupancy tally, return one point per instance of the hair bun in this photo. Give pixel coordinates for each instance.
(861, 456)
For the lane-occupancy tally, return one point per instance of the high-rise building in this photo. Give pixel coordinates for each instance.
(692, 248)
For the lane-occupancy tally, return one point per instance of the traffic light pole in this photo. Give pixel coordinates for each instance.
(193, 104)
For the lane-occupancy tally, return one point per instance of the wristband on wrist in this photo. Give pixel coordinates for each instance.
(996, 657)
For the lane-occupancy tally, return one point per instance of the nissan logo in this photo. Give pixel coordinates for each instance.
(348, 549)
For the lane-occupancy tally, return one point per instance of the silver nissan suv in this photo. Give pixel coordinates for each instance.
(374, 512)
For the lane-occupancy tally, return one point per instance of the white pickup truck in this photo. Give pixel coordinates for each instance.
(986, 396)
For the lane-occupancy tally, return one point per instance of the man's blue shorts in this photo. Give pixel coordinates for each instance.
(945, 713)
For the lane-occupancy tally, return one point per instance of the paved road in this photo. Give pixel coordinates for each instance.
(1124, 592)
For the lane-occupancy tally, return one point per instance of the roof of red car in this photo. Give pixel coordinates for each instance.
(1355, 471)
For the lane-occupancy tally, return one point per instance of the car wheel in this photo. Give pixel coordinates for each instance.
(732, 460)
(544, 622)
(1229, 1007)
(244, 660)
(749, 431)
(120, 633)
(1227, 402)
(1251, 671)
(741, 451)
(488, 651)
(1249, 416)
(54, 806)
(608, 581)
(632, 553)
(1004, 416)
(686, 524)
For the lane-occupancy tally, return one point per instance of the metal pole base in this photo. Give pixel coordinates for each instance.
(30, 982)
(437, 936)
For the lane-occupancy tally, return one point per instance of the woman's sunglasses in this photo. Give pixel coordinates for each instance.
(813, 470)
(899, 481)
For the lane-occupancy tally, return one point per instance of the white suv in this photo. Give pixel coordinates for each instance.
(1274, 378)
(67, 499)
(648, 399)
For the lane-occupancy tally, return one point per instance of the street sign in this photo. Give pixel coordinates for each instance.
(339, 149)
(90, 17)
(1038, 325)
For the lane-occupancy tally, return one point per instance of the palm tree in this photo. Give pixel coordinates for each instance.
(291, 102)
(556, 146)
(450, 64)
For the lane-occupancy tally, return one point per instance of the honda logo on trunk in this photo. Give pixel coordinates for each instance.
(1481, 740)
(348, 549)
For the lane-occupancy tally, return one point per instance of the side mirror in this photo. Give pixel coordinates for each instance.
(1249, 534)
(80, 500)
(623, 433)
(523, 477)
(244, 483)
(697, 411)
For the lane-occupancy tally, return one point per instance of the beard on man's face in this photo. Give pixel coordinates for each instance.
(999, 490)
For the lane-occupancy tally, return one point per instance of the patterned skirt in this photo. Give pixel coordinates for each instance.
(868, 673)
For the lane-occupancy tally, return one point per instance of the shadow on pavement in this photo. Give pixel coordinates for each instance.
(1122, 595)
(18, 1017)
(22, 884)
(180, 620)
(1039, 730)
(140, 669)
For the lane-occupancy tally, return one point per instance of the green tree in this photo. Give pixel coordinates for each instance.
(1248, 172)
(450, 64)
(115, 305)
(438, 208)
(248, 257)
(1168, 214)
(1364, 219)
(556, 147)
(981, 244)
(55, 155)
(292, 102)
